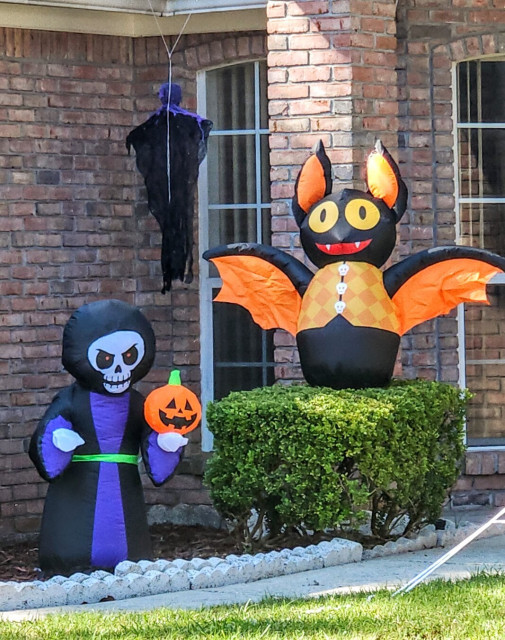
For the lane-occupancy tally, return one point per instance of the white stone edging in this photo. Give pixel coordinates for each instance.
(143, 578)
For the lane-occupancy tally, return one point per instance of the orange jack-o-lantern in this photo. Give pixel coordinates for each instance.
(172, 407)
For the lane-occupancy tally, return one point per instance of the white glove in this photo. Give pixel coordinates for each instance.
(171, 441)
(66, 440)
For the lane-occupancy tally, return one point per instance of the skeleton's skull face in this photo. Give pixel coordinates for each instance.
(108, 346)
(115, 356)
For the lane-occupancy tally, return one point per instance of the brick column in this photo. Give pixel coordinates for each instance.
(332, 76)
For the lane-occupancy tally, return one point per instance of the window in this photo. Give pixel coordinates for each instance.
(234, 207)
(481, 208)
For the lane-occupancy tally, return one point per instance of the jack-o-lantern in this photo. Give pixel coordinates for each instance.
(173, 407)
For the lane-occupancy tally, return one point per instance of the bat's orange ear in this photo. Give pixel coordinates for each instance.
(313, 182)
(384, 180)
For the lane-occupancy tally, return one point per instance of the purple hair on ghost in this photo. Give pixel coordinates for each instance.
(172, 91)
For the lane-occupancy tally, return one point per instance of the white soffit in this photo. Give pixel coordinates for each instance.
(133, 18)
(199, 6)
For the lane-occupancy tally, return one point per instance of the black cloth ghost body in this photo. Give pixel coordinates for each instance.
(188, 134)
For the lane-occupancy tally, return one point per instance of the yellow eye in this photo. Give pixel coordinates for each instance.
(324, 217)
(362, 214)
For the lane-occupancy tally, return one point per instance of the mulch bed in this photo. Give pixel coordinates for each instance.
(19, 562)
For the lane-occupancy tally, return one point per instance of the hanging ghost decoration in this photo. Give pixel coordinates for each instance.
(87, 444)
(349, 315)
(169, 160)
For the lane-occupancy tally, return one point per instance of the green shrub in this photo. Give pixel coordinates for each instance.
(313, 458)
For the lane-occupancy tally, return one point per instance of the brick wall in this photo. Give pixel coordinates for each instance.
(431, 42)
(332, 77)
(74, 227)
(67, 227)
(483, 480)
(350, 71)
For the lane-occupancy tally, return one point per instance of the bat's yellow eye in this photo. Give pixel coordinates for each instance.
(324, 217)
(362, 214)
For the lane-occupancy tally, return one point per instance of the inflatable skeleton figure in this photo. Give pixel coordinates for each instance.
(87, 444)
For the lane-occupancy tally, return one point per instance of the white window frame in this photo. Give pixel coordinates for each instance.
(208, 283)
(459, 200)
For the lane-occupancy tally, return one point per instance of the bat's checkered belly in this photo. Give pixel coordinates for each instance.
(353, 290)
(348, 328)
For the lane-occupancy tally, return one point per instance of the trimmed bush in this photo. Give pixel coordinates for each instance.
(313, 458)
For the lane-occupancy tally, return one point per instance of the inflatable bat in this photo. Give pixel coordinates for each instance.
(349, 316)
(87, 444)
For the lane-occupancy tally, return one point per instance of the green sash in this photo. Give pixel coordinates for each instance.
(107, 457)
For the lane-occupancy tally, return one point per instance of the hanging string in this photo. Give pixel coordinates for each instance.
(170, 53)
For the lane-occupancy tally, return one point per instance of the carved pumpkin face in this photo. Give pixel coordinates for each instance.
(172, 407)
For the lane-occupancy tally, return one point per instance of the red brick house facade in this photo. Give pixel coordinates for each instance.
(74, 225)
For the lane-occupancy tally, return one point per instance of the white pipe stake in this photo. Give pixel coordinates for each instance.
(438, 563)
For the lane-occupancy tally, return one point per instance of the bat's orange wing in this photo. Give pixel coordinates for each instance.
(260, 287)
(437, 288)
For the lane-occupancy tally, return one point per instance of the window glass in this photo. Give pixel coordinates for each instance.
(481, 179)
(232, 169)
(481, 91)
(482, 162)
(231, 96)
(230, 225)
(228, 379)
(238, 210)
(242, 351)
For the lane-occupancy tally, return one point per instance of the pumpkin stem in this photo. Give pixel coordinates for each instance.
(175, 377)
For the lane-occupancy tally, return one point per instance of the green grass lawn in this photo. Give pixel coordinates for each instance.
(468, 609)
